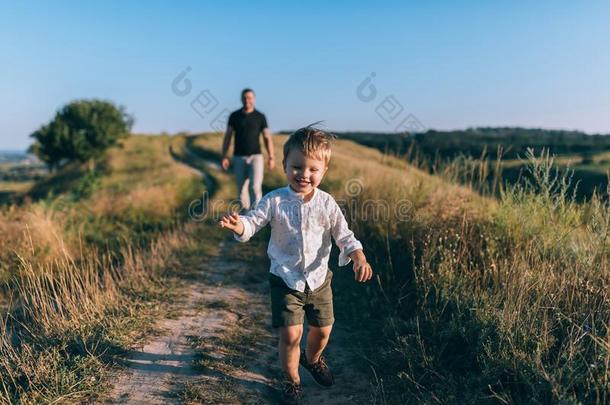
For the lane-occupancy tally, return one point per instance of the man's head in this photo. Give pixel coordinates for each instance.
(248, 98)
(306, 158)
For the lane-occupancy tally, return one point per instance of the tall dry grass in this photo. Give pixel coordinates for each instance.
(490, 302)
(84, 272)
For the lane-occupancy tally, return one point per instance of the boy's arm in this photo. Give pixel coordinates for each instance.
(255, 220)
(343, 236)
(362, 269)
(231, 221)
(357, 255)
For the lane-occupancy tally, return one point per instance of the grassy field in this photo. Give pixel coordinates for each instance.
(503, 300)
(85, 266)
(589, 176)
(8, 189)
(487, 175)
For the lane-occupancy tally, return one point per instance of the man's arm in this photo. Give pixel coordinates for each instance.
(226, 143)
(268, 139)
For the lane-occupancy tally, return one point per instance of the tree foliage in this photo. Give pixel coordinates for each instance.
(81, 131)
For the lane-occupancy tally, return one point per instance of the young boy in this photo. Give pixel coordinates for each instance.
(303, 218)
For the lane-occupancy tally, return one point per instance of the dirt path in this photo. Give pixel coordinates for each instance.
(221, 348)
(169, 368)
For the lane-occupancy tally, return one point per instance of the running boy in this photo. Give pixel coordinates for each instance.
(303, 218)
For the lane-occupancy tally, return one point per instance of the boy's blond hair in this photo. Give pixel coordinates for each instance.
(313, 142)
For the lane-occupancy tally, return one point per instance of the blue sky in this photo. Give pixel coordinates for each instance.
(449, 64)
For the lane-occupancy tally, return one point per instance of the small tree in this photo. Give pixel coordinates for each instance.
(81, 131)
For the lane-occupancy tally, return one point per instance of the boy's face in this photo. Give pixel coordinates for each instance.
(303, 173)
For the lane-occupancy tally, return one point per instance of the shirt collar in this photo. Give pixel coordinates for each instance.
(298, 196)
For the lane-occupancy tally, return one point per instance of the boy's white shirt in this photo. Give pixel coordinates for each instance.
(301, 232)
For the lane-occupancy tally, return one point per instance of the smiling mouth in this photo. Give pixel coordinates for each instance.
(302, 182)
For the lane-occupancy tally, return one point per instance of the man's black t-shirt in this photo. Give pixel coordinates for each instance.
(248, 127)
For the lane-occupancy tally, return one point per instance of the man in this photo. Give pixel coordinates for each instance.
(248, 123)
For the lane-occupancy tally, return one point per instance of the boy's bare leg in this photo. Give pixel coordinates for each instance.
(317, 339)
(289, 350)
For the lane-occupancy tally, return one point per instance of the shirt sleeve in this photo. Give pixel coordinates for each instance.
(264, 122)
(255, 219)
(343, 236)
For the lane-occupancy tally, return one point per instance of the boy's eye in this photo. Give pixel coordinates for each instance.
(314, 170)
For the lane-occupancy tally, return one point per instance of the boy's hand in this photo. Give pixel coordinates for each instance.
(362, 269)
(232, 221)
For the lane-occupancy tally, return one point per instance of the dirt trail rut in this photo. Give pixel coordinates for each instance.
(165, 368)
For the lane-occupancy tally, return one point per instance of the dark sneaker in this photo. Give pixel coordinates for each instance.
(292, 394)
(319, 371)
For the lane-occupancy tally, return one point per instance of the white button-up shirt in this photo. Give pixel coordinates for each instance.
(300, 235)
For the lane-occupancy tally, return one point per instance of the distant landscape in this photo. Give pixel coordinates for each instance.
(477, 157)
(480, 156)
(18, 171)
(474, 141)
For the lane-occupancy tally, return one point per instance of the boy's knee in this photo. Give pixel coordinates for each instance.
(291, 335)
(323, 332)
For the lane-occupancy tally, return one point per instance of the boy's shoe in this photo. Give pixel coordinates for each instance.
(292, 394)
(319, 370)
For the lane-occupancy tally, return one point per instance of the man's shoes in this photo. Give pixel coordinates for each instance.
(292, 394)
(319, 370)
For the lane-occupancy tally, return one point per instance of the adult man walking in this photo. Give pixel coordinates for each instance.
(248, 123)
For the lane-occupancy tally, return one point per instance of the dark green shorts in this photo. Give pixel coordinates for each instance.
(288, 306)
